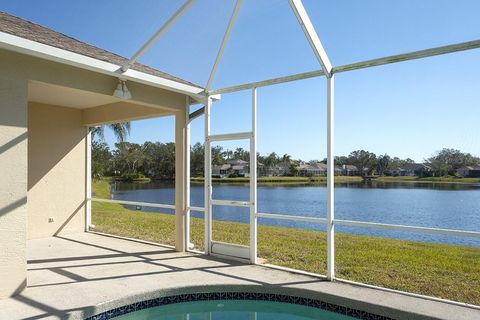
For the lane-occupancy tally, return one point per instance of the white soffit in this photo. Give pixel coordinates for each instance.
(63, 96)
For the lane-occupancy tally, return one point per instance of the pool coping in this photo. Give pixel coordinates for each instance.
(328, 302)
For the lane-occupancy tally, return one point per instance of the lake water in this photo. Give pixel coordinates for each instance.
(449, 206)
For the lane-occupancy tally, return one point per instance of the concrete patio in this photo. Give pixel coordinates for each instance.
(75, 276)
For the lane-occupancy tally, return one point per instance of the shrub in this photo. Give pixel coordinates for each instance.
(132, 176)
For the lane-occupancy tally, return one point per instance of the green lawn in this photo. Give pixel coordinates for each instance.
(445, 271)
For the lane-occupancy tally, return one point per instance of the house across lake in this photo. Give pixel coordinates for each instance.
(410, 170)
(469, 172)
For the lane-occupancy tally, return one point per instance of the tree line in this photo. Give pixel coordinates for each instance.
(157, 160)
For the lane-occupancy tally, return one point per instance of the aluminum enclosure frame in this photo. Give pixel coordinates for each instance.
(326, 70)
(330, 221)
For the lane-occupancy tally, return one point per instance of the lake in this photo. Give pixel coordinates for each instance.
(438, 205)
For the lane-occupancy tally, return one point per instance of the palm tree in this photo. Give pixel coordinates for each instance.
(121, 131)
(228, 154)
(271, 160)
(287, 158)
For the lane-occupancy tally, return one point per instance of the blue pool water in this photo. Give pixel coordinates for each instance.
(233, 310)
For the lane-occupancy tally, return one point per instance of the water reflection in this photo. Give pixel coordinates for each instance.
(410, 185)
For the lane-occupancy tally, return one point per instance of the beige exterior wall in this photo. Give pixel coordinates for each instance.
(56, 170)
(53, 175)
(13, 184)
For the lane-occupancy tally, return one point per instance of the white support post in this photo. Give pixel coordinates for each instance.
(253, 181)
(88, 180)
(158, 34)
(186, 174)
(330, 181)
(317, 47)
(208, 179)
(226, 36)
(180, 155)
(311, 34)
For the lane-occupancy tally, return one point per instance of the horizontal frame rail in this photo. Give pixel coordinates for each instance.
(352, 223)
(290, 217)
(200, 209)
(409, 56)
(425, 230)
(273, 216)
(230, 136)
(264, 83)
(231, 203)
(233, 245)
(136, 203)
(463, 46)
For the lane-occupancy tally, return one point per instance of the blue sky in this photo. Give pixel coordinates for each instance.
(409, 109)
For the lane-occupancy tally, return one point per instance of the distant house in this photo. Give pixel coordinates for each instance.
(414, 169)
(278, 170)
(266, 171)
(239, 167)
(237, 162)
(236, 167)
(469, 171)
(409, 170)
(261, 170)
(240, 170)
(307, 170)
(282, 169)
(221, 171)
(350, 170)
(338, 170)
(395, 172)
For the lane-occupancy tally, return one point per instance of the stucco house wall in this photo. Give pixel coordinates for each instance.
(56, 170)
(42, 153)
(13, 183)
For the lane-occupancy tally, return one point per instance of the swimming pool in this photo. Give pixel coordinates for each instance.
(233, 310)
(233, 305)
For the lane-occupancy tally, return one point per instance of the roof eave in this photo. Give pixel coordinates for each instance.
(32, 48)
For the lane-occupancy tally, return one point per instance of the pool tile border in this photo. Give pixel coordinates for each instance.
(203, 296)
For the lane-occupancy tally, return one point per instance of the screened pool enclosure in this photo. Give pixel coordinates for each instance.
(208, 97)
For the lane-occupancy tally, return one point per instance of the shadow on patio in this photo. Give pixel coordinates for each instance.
(76, 276)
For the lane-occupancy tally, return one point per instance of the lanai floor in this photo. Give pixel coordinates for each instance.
(75, 276)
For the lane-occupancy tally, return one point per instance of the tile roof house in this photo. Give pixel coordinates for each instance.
(410, 170)
(415, 169)
(221, 171)
(237, 162)
(235, 166)
(350, 170)
(317, 169)
(469, 171)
